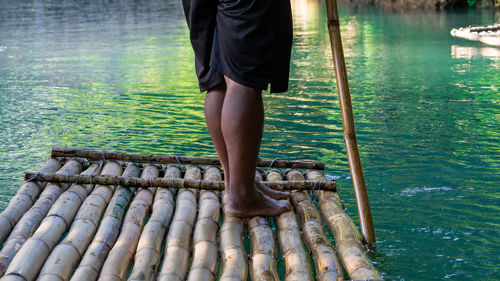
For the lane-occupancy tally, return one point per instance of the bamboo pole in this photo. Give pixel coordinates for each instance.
(30, 258)
(63, 259)
(177, 183)
(350, 141)
(109, 228)
(297, 265)
(205, 248)
(347, 238)
(120, 257)
(263, 264)
(99, 155)
(233, 256)
(24, 200)
(325, 260)
(31, 219)
(262, 246)
(177, 247)
(148, 255)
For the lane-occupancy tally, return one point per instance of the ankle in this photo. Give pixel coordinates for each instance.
(242, 193)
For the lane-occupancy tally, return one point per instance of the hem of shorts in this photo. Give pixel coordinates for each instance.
(260, 86)
(209, 85)
(282, 90)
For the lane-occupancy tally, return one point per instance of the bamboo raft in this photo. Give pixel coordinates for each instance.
(489, 35)
(91, 215)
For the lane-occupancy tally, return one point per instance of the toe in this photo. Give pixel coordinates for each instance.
(284, 195)
(286, 209)
(285, 206)
(275, 194)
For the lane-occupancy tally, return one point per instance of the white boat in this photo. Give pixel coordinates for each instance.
(489, 35)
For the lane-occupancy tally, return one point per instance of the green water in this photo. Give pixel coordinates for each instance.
(120, 76)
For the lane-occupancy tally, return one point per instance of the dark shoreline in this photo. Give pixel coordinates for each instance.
(425, 4)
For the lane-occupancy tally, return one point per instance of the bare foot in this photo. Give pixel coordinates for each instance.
(255, 203)
(275, 194)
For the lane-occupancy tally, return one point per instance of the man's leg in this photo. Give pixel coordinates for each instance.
(213, 110)
(242, 122)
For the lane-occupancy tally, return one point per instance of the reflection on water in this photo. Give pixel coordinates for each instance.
(467, 52)
(120, 75)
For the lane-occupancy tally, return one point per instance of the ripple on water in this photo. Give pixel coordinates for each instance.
(426, 191)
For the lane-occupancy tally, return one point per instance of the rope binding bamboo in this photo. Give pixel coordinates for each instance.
(326, 185)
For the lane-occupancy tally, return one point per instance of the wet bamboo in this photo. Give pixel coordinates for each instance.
(120, 257)
(24, 200)
(347, 238)
(99, 155)
(29, 259)
(325, 260)
(205, 249)
(177, 246)
(63, 259)
(263, 264)
(233, 256)
(31, 219)
(350, 141)
(297, 267)
(177, 183)
(148, 255)
(262, 247)
(109, 228)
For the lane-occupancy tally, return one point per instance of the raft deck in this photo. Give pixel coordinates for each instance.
(150, 223)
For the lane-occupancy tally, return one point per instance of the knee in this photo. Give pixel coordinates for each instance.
(218, 89)
(235, 87)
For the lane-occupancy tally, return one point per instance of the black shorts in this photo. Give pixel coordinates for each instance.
(248, 41)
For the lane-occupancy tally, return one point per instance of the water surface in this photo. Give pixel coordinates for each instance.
(120, 76)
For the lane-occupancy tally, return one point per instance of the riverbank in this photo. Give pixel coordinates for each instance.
(426, 4)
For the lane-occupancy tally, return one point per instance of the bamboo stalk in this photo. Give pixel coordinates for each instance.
(31, 218)
(24, 200)
(347, 238)
(262, 246)
(350, 141)
(120, 257)
(297, 267)
(176, 256)
(30, 257)
(233, 255)
(109, 228)
(325, 260)
(99, 155)
(177, 183)
(68, 253)
(263, 250)
(205, 249)
(148, 255)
